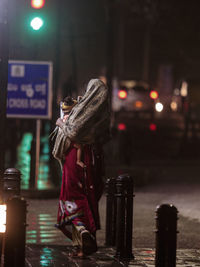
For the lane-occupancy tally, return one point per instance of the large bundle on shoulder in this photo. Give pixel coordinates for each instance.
(89, 120)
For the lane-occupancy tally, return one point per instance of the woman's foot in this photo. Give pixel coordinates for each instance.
(80, 254)
(77, 254)
(89, 244)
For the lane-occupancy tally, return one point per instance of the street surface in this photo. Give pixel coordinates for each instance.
(42, 216)
(57, 256)
(172, 182)
(46, 246)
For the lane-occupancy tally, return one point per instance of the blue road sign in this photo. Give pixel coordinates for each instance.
(29, 91)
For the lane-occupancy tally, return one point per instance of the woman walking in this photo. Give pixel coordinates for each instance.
(88, 125)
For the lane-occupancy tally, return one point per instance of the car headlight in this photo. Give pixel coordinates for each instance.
(159, 106)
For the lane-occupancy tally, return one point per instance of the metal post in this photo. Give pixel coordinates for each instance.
(10, 187)
(15, 235)
(11, 183)
(33, 161)
(110, 41)
(166, 235)
(120, 223)
(1, 248)
(129, 217)
(124, 223)
(35, 156)
(3, 81)
(37, 162)
(110, 212)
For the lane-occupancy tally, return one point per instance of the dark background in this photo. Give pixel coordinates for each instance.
(81, 38)
(123, 40)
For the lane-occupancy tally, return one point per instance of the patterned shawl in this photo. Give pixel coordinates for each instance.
(88, 122)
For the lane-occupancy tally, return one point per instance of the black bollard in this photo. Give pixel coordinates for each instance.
(1, 246)
(129, 217)
(2, 227)
(110, 212)
(124, 218)
(15, 235)
(120, 219)
(11, 183)
(166, 236)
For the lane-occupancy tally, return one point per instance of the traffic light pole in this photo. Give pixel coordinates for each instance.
(110, 42)
(3, 80)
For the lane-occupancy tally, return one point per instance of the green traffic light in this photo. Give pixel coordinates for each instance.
(36, 23)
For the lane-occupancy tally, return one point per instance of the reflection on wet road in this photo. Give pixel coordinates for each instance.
(57, 256)
(41, 219)
(41, 229)
(46, 256)
(44, 233)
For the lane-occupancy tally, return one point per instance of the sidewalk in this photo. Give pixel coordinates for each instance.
(46, 246)
(57, 256)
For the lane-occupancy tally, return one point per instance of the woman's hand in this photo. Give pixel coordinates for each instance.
(59, 122)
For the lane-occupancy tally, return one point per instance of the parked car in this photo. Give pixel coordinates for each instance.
(135, 98)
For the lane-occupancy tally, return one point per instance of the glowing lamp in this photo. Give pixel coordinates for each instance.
(121, 127)
(152, 127)
(36, 23)
(184, 89)
(2, 218)
(174, 106)
(154, 94)
(122, 94)
(138, 104)
(37, 4)
(159, 107)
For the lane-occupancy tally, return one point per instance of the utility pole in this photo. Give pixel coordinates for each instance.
(3, 79)
(110, 21)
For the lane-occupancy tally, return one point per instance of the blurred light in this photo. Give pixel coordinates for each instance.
(122, 94)
(2, 218)
(37, 3)
(159, 107)
(44, 171)
(176, 91)
(138, 104)
(46, 257)
(24, 159)
(154, 94)
(184, 89)
(152, 127)
(36, 23)
(121, 127)
(174, 106)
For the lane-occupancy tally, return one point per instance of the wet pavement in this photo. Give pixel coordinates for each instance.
(46, 246)
(57, 256)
